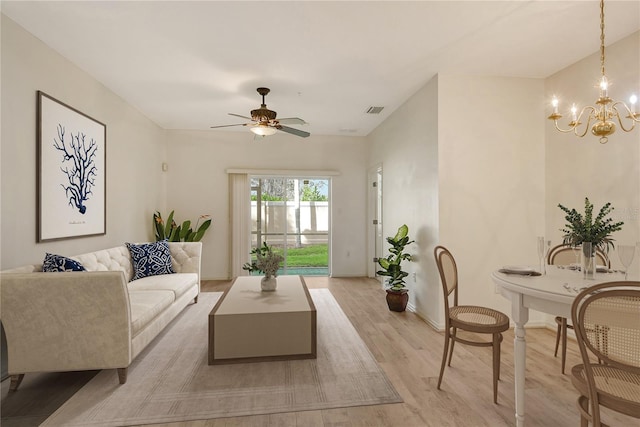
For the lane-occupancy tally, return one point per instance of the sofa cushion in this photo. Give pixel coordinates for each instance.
(146, 306)
(178, 283)
(59, 263)
(113, 259)
(150, 259)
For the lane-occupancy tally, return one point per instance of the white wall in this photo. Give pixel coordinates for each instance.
(135, 150)
(492, 178)
(469, 181)
(501, 172)
(406, 144)
(582, 167)
(198, 184)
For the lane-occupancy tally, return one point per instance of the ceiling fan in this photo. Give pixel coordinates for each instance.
(264, 122)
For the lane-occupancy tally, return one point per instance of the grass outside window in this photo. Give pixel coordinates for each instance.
(307, 256)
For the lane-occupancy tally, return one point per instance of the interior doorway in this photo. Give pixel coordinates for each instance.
(374, 220)
(292, 216)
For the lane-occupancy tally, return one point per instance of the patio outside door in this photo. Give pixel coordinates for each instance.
(292, 216)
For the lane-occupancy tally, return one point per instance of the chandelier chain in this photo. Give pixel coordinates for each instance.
(602, 36)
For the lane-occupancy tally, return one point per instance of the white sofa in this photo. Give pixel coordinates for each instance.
(94, 319)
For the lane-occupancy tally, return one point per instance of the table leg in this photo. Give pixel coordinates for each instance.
(520, 317)
(520, 355)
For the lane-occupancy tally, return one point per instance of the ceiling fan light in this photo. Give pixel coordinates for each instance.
(263, 130)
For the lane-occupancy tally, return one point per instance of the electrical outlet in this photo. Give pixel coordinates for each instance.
(414, 277)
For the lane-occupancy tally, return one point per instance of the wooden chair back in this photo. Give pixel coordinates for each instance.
(606, 318)
(448, 275)
(565, 255)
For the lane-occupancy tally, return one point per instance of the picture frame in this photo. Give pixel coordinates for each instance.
(71, 172)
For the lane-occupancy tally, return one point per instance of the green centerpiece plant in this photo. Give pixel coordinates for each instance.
(585, 228)
(266, 261)
(594, 234)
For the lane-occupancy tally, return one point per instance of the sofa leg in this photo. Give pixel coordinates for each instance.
(122, 375)
(195, 300)
(15, 382)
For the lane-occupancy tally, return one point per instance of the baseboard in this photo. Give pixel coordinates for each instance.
(338, 276)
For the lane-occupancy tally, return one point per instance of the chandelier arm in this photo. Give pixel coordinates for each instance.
(571, 129)
(573, 125)
(635, 117)
(614, 108)
(592, 113)
(587, 126)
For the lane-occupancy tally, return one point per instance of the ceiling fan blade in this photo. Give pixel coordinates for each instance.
(242, 117)
(228, 126)
(293, 121)
(293, 131)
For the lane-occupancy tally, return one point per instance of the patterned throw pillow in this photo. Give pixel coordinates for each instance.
(150, 259)
(58, 263)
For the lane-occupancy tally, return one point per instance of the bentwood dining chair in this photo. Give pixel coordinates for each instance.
(470, 318)
(606, 318)
(566, 255)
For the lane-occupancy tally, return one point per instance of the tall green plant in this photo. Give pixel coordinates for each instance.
(172, 232)
(585, 228)
(392, 264)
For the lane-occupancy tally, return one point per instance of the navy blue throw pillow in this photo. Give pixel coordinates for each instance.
(58, 263)
(150, 259)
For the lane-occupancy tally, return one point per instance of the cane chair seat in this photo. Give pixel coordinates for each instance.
(478, 319)
(469, 318)
(617, 388)
(606, 318)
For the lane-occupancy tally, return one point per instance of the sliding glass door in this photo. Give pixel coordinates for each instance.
(292, 216)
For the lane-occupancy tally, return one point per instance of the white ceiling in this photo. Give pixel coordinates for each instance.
(186, 64)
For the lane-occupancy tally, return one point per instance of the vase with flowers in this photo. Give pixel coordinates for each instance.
(593, 234)
(267, 262)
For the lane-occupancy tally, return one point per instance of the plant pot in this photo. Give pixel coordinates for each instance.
(397, 300)
(268, 284)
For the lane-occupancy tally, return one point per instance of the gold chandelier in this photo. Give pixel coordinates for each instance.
(606, 111)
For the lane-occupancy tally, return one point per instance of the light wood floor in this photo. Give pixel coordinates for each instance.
(409, 351)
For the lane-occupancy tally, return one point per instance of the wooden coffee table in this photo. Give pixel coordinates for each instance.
(248, 325)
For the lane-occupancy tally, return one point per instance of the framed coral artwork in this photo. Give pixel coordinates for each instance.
(71, 172)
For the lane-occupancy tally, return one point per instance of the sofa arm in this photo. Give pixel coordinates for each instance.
(186, 257)
(66, 321)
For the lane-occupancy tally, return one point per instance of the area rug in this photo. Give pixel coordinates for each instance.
(171, 380)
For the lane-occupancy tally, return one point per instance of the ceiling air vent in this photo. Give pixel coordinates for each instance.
(375, 110)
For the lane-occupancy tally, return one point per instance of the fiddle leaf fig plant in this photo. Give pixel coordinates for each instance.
(391, 266)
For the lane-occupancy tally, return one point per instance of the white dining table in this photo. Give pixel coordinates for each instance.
(551, 293)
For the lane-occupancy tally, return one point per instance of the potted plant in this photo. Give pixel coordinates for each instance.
(267, 262)
(585, 229)
(391, 267)
(176, 233)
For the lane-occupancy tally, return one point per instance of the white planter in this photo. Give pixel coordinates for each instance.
(268, 284)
